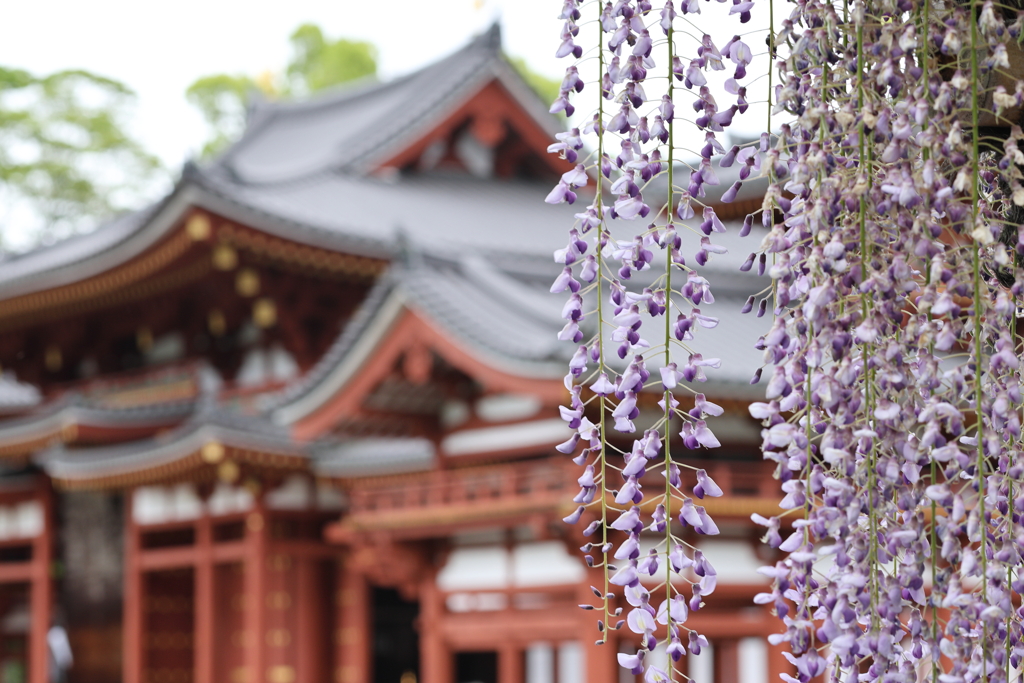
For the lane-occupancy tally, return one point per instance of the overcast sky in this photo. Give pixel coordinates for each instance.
(159, 49)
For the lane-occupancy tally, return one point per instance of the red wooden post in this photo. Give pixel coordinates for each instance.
(307, 624)
(41, 592)
(510, 664)
(600, 661)
(727, 660)
(255, 590)
(435, 658)
(204, 634)
(134, 637)
(354, 623)
(777, 663)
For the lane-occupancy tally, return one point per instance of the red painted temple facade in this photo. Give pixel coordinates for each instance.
(295, 422)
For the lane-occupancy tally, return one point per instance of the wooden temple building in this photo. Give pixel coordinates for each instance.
(295, 422)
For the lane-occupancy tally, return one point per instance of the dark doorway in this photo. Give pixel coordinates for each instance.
(396, 646)
(476, 667)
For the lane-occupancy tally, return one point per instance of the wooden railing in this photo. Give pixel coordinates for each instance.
(431, 501)
(536, 481)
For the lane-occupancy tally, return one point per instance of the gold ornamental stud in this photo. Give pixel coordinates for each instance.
(212, 453)
(247, 282)
(264, 312)
(198, 227)
(224, 257)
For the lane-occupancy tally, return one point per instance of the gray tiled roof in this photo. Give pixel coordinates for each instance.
(374, 456)
(66, 412)
(352, 129)
(14, 394)
(233, 429)
(437, 212)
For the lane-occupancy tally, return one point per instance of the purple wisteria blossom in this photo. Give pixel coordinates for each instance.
(636, 302)
(893, 402)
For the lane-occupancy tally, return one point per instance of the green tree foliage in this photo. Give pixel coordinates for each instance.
(222, 99)
(65, 156)
(317, 63)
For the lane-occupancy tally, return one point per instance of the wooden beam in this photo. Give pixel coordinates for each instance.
(227, 553)
(155, 559)
(17, 572)
(314, 550)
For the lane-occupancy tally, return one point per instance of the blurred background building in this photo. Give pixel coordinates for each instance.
(295, 422)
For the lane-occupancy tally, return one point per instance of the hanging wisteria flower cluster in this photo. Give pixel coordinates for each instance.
(892, 235)
(894, 408)
(635, 300)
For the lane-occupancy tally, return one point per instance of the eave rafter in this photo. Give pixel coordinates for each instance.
(186, 254)
(210, 462)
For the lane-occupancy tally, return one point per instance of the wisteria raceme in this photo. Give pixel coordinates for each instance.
(891, 230)
(894, 407)
(637, 299)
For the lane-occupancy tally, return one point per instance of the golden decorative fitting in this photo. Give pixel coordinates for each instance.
(254, 522)
(407, 677)
(240, 674)
(247, 282)
(279, 637)
(216, 323)
(212, 453)
(224, 257)
(198, 227)
(144, 339)
(279, 563)
(228, 472)
(281, 674)
(264, 312)
(279, 600)
(53, 359)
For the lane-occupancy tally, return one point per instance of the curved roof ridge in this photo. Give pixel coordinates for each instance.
(344, 92)
(349, 129)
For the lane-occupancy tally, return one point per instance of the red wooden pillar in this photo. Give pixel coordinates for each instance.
(41, 591)
(134, 637)
(727, 660)
(354, 623)
(309, 622)
(600, 661)
(777, 663)
(435, 658)
(204, 633)
(510, 663)
(255, 589)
